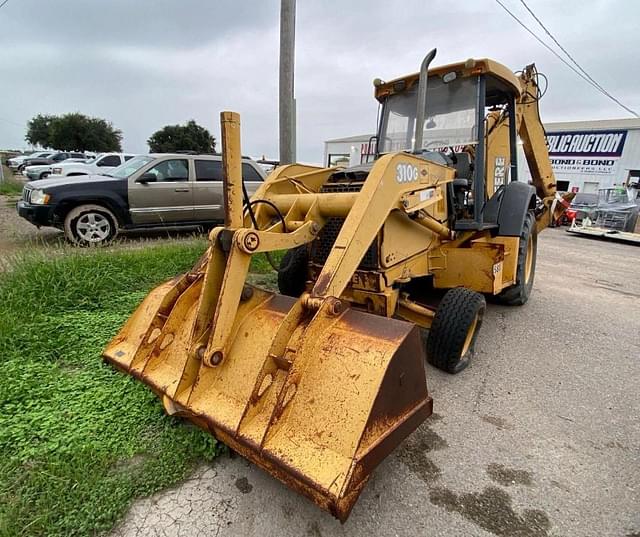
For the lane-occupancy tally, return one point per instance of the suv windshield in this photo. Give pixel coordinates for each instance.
(130, 167)
(451, 116)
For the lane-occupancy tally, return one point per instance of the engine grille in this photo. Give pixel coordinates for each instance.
(26, 194)
(321, 247)
(341, 187)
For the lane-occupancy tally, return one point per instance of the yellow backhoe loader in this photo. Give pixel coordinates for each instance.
(319, 383)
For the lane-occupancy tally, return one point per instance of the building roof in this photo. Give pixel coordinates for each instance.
(593, 125)
(356, 138)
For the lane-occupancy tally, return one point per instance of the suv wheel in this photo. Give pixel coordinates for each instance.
(44, 175)
(90, 225)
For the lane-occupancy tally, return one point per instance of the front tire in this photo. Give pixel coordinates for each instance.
(518, 294)
(450, 344)
(292, 273)
(90, 225)
(44, 175)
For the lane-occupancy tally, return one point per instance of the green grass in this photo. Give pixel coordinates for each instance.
(78, 440)
(10, 187)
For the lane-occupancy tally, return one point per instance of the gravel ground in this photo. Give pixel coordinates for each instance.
(538, 437)
(18, 235)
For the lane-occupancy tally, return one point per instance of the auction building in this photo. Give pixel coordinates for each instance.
(585, 155)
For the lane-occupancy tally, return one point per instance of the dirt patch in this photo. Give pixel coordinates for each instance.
(413, 454)
(560, 486)
(508, 476)
(499, 423)
(130, 465)
(17, 233)
(243, 485)
(491, 509)
(313, 529)
(287, 511)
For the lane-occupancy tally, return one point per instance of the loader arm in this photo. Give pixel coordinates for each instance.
(534, 143)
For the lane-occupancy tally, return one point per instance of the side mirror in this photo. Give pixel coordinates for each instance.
(146, 178)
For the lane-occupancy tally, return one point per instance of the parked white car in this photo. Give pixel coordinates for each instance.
(102, 164)
(15, 162)
(42, 171)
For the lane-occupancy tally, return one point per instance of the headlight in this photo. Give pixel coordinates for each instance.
(56, 171)
(38, 197)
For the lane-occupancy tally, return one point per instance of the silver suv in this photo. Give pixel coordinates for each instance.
(147, 191)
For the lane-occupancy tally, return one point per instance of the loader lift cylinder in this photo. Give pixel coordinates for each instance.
(231, 169)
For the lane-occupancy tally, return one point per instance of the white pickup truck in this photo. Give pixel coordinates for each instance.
(103, 163)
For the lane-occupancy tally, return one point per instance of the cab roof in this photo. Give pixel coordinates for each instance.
(500, 78)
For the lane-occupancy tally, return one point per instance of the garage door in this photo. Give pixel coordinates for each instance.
(591, 187)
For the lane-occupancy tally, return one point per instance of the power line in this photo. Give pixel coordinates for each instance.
(3, 3)
(545, 45)
(574, 60)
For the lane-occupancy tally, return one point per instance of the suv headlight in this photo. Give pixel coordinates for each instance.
(56, 171)
(38, 197)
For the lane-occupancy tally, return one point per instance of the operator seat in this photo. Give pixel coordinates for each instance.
(464, 170)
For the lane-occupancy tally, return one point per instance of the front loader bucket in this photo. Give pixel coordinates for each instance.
(348, 389)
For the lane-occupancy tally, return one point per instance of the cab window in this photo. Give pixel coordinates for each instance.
(171, 170)
(109, 160)
(211, 170)
(249, 173)
(208, 170)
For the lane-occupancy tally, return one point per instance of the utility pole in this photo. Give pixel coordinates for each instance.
(287, 64)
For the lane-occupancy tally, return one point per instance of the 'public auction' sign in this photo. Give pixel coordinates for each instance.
(586, 152)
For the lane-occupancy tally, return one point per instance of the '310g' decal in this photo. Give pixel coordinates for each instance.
(406, 173)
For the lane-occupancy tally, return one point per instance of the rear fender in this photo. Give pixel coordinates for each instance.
(509, 206)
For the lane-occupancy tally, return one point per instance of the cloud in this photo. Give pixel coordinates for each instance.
(145, 64)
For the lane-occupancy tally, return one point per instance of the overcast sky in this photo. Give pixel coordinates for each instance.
(142, 64)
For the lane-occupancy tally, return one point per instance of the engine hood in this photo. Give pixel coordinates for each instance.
(94, 180)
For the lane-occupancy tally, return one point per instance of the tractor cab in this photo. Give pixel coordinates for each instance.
(445, 115)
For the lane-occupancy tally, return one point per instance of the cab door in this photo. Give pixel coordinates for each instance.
(162, 193)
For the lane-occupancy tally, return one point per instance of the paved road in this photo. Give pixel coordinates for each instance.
(539, 437)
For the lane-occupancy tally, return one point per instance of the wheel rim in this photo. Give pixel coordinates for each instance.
(528, 264)
(469, 339)
(93, 227)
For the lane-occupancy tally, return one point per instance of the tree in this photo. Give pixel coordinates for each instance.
(74, 132)
(187, 137)
(39, 130)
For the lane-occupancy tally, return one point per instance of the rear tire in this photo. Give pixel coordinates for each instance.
(292, 274)
(452, 336)
(518, 294)
(90, 225)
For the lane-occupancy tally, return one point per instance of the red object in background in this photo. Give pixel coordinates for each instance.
(570, 214)
(575, 189)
